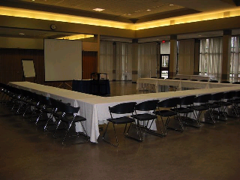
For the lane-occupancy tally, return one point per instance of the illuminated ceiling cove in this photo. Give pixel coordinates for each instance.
(18, 12)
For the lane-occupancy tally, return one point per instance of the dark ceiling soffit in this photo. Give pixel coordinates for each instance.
(62, 10)
(169, 14)
(237, 2)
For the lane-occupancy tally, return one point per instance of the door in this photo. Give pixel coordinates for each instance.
(164, 65)
(89, 63)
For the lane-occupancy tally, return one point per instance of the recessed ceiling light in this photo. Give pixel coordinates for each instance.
(21, 34)
(129, 14)
(98, 9)
(148, 9)
(171, 4)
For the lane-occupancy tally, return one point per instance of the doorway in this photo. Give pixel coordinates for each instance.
(89, 63)
(164, 65)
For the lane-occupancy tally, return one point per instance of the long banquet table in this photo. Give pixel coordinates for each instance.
(144, 83)
(95, 108)
(197, 77)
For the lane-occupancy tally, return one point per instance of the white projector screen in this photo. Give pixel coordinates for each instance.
(63, 60)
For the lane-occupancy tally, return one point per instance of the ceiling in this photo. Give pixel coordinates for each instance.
(133, 11)
(124, 10)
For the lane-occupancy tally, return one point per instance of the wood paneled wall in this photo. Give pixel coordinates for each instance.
(11, 66)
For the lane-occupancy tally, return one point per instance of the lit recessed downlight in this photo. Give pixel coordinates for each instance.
(98, 9)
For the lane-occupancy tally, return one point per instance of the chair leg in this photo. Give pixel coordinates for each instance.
(46, 125)
(180, 122)
(139, 133)
(155, 133)
(70, 125)
(115, 135)
(38, 118)
(85, 132)
(59, 122)
(103, 137)
(177, 119)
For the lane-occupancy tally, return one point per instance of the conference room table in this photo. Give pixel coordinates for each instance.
(196, 77)
(159, 84)
(95, 108)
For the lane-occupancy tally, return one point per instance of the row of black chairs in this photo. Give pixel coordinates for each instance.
(186, 111)
(37, 107)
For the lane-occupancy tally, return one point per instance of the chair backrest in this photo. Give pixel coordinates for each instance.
(188, 100)
(236, 82)
(33, 96)
(194, 80)
(57, 105)
(213, 81)
(168, 103)
(217, 96)
(68, 109)
(228, 95)
(202, 98)
(236, 94)
(123, 108)
(225, 82)
(147, 105)
(44, 100)
(204, 80)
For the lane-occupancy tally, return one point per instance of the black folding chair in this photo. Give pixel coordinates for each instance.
(165, 109)
(55, 115)
(144, 115)
(227, 101)
(121, 114)
(184, 111)
(45, 107)
(69, 116)
(200, 106)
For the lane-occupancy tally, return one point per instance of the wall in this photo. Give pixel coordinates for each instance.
(11, 65)
(23, 43)
(186, 57)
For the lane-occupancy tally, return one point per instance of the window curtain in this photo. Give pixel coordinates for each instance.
(106, 58)
(235, 59)
(147, 60)
(211, 57)
(123, 61)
